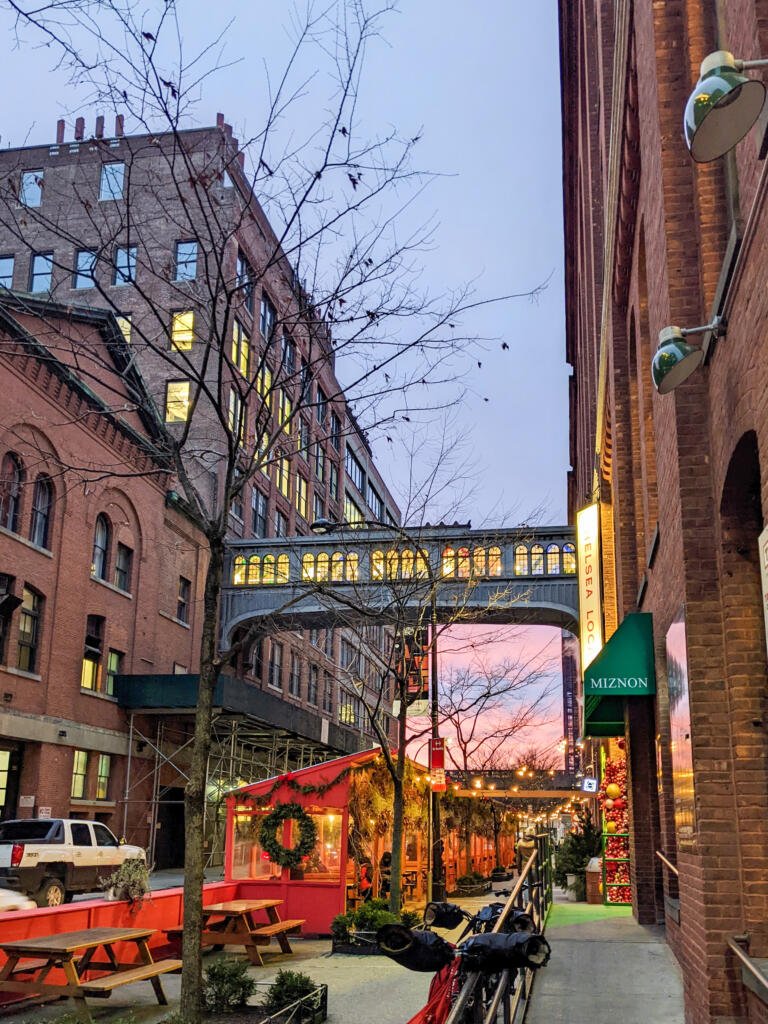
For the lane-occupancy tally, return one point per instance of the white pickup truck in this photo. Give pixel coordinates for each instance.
(53, 858)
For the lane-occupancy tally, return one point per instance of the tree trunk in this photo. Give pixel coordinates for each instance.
(398, 811)
(194, 793)
(467, 838)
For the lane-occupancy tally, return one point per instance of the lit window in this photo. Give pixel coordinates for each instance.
(285, 412)
(283, 569)
(463, 563)
(449, 562)
(307, 567)
(186, 261)
(183, 598)
(112, 181)
(406, 564)
(254, 570)
(537, 560)
(393, 561)
(102, 777)
(353, 567)
(85, 264)
(553, 560)
(42, 505)
(183, 330)
(352, 513)
(235, 417)
(323, 567)
(494, 561)
(238, 571)
(284, 476)
(337, 567)
(478, 562)
(240, 347)
(124, 323)
(90, 672)
(125, 265)
(377, 565)
(29, 624)
(521, 560)
(79, 773)
(6, 271)
(114, 668)
(569, 559)
(177, 401)
(264, 384)
(301, 496)
(267, 319)
(31, 190)
(101, 538)
(41, 272)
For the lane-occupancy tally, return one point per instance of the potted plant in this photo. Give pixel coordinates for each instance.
(575, 852)
(130, 882)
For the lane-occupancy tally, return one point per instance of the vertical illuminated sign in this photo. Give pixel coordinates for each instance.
(588, 568)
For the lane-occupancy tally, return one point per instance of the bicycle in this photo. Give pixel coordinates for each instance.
(476, 976)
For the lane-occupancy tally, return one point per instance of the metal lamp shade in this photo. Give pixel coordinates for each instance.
(722, 108)
(675, 360)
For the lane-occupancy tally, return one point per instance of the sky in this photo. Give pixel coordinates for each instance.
(481, 84)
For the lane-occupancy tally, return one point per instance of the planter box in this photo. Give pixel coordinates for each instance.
(474, 890)
(358, 944)
(312, 1009)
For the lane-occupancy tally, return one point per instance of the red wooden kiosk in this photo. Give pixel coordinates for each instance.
(326, 882)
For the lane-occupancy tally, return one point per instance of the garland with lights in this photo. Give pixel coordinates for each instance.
(283, 855)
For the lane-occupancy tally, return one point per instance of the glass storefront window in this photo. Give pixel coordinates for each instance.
(248, 858)
(324, 862)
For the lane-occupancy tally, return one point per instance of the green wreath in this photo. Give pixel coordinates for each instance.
(283, 855)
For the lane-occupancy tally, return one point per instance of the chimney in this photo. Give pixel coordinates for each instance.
(241, 159)
(79, 129)
(100, 127)
(219, 120)
(59, 131)
(119, 126)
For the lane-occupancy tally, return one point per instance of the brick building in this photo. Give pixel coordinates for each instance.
(98, 576)
(653, 239)
(166, 233)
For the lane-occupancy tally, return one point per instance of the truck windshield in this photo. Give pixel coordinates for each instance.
(24, 831)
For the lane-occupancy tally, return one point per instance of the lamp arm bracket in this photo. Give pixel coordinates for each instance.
(717, 325)
(745, 65)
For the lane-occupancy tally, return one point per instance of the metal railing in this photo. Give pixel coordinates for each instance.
(667, 863)
(533, 893)
(752, 973)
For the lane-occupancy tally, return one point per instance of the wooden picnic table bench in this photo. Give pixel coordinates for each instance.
(232, 924)
(30, 962)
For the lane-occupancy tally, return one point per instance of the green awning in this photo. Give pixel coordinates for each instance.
(624, 668)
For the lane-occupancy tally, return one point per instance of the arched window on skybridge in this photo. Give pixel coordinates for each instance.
(393, 563)
(463, 564)
(522, 563)
(421, 565)
(238, 571)
(553, 560)
(449, 562)
(479, 564)
(406, 564)
(353, 567)
(537, 560)
(307, 567)
(337, 567)
(323, 567)
(283, 569)
(269, 569)
(494, 561)
(254, 570)
(377, 565)
(569, 559)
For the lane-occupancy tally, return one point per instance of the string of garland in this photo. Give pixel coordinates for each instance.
(283, 855)
(305, 790)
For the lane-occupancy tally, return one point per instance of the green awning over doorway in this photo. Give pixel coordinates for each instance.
(624, 668)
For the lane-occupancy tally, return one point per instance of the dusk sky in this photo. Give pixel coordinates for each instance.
(492, 131)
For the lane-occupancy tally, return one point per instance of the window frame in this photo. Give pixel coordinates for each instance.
(79, 760)
(182, 332)
(178, 263)
(38, 174)
(122, 570)
(34, 615)
(259, 513)
(42, 517)
(11, 487)
(124, 276)
(183, 599)
(176, 401)
(3, 259)
(83, 274)
(101, 571)
(34, 274)
(105, 174)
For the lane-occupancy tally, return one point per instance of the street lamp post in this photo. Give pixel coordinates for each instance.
(435, 883)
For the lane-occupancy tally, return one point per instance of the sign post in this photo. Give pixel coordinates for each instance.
(437, 764)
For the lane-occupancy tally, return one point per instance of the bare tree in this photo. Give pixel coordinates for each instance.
(319, 219)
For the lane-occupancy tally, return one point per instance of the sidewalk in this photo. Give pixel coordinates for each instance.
(605, 968)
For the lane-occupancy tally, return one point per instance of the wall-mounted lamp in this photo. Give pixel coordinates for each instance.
(675, 359)
(723, 106)
(62, 734)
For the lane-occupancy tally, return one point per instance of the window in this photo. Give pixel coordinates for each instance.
(318, 507)
(90, 672)
(267, 319)
(111, 181)
(375, 502)
(288, 355)
(236, 507)
(328, 643)
(294, 680)
(321, 405)
(102, 777)
(11, 480)
(183, 330)
(352, 514)
(186, 261)
(306, 378)
(101, 538)
(312, 684)
(553, 560)
(284, 476)
(114, 668)
(125, 265)
(6, 271)
(124, 323)
(123, 564)
(31, 190)
(77, 792)
(274, 677)
(8, 604)
(42, 504)
(177, 401)
(41, 272)
(241, 344)
(569, 559)
(304, 439)
(285, 412)
(81, 835)
(29, 627)
(537, 560)
(85, 264)
(354, 469)
(281, 524)
(103, 836)
(259, 510)
(264, 384)
(320, 462)
(183, 598)
(327, 693)
(333, 480)
(350, 710)
(301, 496)
(521, 560)
(335, 431)
(245, 280)
(235, 417)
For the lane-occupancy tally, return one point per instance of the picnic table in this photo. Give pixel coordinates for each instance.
(233, 924)
(30, 962)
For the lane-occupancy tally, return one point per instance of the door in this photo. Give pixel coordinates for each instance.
(169, 837)
(10, 773)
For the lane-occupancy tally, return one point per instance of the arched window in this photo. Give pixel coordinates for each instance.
(494, 561)
(269, 569)
(42, 509)
(393, 561)
(478, 562)
(283, 569)
(449, 562)
(406, 564)
(323, 563)
(421, 566)
(463, 563)
(307, 567)
(553, 560)
(101, 538)
(377, 565)
(11, 480)
(569, 559)
(353, 567)
(521, 560)
(254, 570)
(337, 567)
(238, 571)
(537, 560)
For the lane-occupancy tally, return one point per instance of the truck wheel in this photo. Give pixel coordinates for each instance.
(51, 893)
